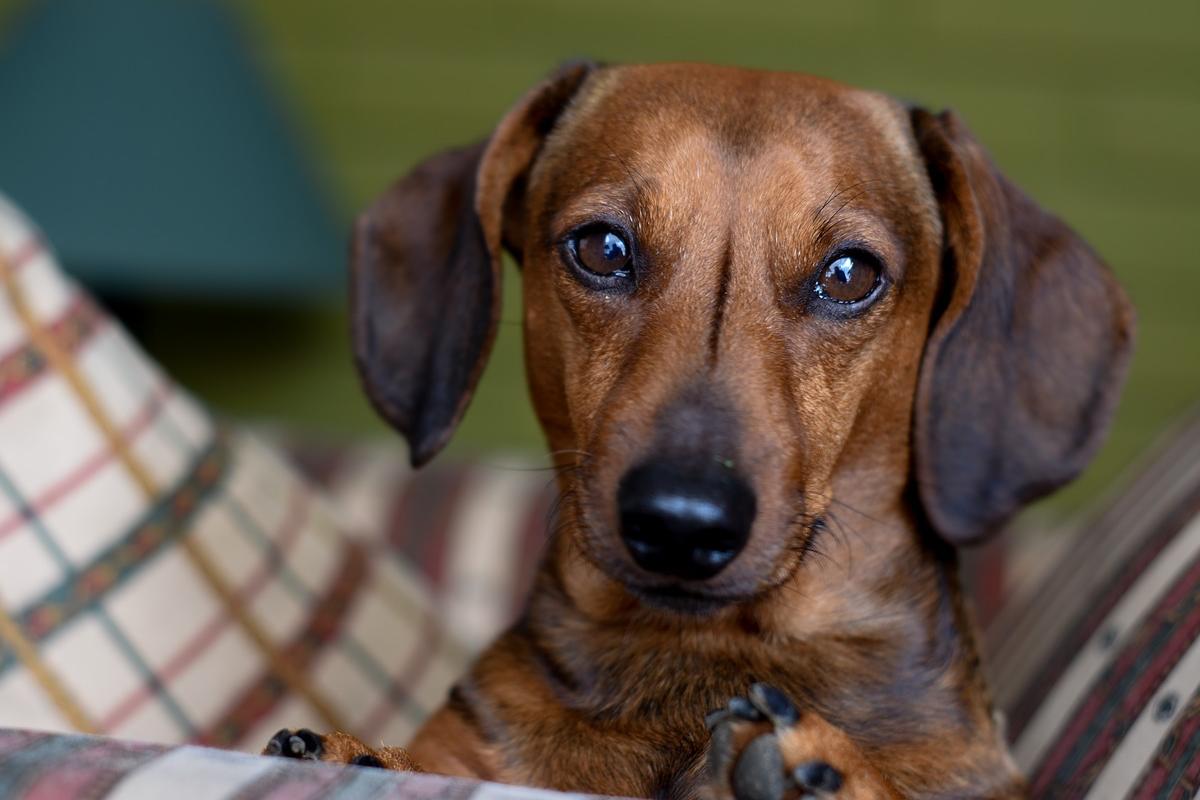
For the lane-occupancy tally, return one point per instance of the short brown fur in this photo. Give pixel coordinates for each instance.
(981, 379)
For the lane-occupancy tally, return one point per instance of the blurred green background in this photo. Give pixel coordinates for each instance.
(1094, 108)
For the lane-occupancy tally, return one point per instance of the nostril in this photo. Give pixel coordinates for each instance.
(638, 531)
(716, 541)
(709, 561)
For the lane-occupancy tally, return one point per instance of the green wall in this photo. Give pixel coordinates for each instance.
(1094, 108)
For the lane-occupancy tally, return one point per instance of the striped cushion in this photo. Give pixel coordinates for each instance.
(166, 579)
(1099, 668)
(38, 766)
(475, 529)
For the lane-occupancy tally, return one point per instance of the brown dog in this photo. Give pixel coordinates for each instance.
(790, 343)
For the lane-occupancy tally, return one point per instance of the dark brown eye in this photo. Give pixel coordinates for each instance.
(602, 251)
(849, 278)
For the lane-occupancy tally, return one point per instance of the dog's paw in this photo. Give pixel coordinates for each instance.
(763, 748)
(336, 748)
(302, 744)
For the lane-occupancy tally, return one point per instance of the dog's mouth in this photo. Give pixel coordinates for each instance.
(680, 600)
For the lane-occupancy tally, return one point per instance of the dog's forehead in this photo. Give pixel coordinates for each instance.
(683, 128)
(652, 109)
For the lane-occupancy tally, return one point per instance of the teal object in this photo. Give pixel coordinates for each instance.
(144, 139)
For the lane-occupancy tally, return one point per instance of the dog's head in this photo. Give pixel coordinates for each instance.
(749, 297)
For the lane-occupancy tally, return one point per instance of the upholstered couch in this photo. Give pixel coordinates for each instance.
(169, 579)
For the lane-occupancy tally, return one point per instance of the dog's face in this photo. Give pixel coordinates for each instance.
(728, 282)
(748, 296)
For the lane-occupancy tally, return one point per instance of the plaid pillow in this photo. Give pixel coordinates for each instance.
(475, 530)
(163, 578)
(37, 766)
(1099, 668)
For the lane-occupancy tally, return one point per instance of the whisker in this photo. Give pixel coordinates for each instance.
(843, 529)
(640, 181)
(827, 223)
(863, 514)
(584, 456)
(831, 499)
(520, 468)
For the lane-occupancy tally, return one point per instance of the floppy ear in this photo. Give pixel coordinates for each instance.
(1028, 350)
(425, 271)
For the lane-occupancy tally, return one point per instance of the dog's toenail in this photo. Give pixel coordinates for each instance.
(720, 751)
(818, 776)
(275, 746)
(774, 704)
(714, 718)
(741, 707)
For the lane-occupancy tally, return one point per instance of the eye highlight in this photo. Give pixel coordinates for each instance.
(849, 278)
(602, 255)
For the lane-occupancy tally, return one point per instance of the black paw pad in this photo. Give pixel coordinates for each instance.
(366, 760)
(301, 744)
(759, 772)
(817, 776)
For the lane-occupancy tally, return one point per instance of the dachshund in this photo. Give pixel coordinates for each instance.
(791, 344)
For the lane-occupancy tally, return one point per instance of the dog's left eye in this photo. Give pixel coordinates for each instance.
(602, 251)
(849, 278)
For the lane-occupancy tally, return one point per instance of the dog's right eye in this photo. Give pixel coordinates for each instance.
(602, 252)
(851, 279)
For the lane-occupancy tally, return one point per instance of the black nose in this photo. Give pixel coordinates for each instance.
(686, 523)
